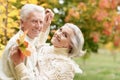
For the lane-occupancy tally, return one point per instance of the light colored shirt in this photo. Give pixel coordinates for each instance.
(55, 65)
(28, 69)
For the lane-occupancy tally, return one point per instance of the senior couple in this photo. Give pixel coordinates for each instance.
(45, 62)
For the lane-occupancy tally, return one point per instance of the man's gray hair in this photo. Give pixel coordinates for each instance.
(77, 41)
(28, 8)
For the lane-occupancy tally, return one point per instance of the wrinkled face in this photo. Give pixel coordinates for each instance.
(61, 38)
(33, 24)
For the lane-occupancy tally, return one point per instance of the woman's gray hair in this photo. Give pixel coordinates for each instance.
(77, 41)
(28, 8)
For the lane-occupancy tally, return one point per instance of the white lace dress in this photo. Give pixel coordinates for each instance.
(55, 65)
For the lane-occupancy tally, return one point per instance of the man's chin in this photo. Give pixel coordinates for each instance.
(34, 36)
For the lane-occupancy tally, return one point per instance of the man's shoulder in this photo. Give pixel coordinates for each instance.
(15, 37)
(12, 41)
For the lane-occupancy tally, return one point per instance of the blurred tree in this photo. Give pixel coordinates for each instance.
(9, 16)
(98, 20)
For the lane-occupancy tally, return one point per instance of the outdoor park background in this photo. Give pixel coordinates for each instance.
(99, 21)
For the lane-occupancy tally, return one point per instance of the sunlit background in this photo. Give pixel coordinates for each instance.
(99, 21)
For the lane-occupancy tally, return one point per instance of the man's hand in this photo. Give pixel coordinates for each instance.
(49, 15)
(16, 56)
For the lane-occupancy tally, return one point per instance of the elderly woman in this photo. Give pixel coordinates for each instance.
(55, 61)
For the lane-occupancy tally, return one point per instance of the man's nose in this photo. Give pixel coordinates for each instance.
(39, 25)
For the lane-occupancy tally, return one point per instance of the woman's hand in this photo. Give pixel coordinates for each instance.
(16, 56)
(49, 15)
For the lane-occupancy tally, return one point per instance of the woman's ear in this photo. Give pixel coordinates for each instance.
(70, 49)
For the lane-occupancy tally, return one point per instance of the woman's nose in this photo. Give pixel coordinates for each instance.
(59, 34)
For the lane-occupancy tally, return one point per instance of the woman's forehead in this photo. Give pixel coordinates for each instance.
(67, 29)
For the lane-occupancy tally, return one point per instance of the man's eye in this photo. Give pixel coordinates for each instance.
(34, 21)
(41, 21)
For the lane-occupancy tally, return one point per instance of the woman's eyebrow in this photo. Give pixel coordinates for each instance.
(60, 28)
(66, 33)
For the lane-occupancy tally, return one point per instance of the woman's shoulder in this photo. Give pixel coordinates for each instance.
(45, 48)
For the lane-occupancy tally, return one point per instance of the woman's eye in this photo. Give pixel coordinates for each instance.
(65, 35)
(60, 29)
(34, 21)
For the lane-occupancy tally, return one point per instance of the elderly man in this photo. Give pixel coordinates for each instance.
(35, 22)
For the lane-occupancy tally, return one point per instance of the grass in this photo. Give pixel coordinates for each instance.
(99, 67)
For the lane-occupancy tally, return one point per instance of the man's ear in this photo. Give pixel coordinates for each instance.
(21, 24)
(21, 21)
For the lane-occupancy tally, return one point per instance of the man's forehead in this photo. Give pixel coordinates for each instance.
(34, 15)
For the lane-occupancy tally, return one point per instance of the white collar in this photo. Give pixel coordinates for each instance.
(28, 39)
(60, 51)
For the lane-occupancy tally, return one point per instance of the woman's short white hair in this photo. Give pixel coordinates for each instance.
(28, 8)
(77, 41)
